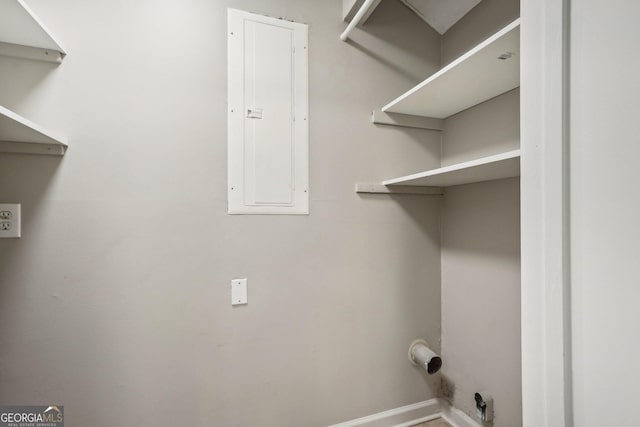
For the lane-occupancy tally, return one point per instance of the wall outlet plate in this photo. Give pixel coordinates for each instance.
(239, 292)
(10, 221)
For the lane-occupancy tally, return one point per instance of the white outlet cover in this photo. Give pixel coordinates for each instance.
(239, 292)
(10, 221)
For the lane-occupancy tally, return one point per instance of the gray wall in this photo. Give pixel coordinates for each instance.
(481, 266)
(481, 296)
(487, 129)
(484, 20)
(481, 242)
(115, 303)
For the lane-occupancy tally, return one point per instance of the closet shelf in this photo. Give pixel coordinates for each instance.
(486, 71)
(503, 165)
(397, 189)
(23, 35)
(19, 135)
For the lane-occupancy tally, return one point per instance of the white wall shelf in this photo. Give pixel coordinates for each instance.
(397, 189)
(503, 165)
(23, 35)
(379, 117)
(440, 15)
(19, 135)
(486, 71)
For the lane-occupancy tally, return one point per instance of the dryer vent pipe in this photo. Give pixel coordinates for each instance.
(421, 355)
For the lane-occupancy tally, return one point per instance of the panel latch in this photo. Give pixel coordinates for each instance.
(254, 113)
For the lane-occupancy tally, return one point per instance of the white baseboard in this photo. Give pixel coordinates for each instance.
(413, 414)
(457, 418)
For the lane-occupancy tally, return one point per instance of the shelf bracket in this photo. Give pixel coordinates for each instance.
(29, 52)
(398, 189)
(32, 148)
(379, 117)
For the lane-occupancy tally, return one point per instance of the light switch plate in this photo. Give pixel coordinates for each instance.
(9, 220)
(239, 292)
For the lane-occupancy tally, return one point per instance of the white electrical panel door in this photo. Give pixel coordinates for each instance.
(268, 115)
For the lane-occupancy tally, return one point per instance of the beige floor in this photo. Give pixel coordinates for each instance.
(434, 423)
